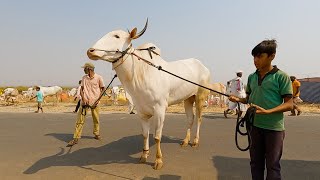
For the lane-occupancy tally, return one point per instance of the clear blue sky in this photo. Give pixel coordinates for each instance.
(45, 42)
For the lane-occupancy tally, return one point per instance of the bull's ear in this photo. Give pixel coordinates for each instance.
(133, 33)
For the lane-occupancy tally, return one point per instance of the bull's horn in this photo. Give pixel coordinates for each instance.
(135, 36)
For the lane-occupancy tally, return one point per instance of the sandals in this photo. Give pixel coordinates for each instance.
(97, 137)
(72, 142)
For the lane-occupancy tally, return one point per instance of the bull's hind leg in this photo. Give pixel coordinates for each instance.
(200, 99)
(188, 106)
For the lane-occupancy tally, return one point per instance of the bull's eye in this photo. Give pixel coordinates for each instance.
(116, 36)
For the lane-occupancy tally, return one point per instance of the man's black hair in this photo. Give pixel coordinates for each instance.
(266, 46)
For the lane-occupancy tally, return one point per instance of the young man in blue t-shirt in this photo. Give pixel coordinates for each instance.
(39, 96)
(269, 90)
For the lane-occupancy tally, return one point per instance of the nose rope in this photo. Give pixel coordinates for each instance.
(122, 61)
(117, 51)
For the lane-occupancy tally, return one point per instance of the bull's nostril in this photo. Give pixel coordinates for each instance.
(91, 50)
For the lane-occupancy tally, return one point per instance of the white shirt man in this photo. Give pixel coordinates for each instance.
(236, 88)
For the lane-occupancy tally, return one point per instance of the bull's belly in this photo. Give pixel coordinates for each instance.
(178, 98)
(145, 108)
(148, 108)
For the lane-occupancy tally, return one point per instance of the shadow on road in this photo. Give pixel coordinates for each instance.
(119, 151)
(213, 116)
(239, 168)
(66, 137)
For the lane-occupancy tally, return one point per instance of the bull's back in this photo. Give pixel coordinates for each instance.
(190, 69)
(48, 91)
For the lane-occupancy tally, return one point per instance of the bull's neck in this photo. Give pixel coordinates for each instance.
(124, 67)
(131, 71)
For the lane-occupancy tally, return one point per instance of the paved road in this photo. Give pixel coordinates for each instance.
(33, 147)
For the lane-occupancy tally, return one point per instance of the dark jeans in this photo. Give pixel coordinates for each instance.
(266, 151)
(78, 105)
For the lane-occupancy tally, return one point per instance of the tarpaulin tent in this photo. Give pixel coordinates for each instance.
(310, 89)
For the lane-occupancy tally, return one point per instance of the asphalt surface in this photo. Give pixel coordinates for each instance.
(33, 147)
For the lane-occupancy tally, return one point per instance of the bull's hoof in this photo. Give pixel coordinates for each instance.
(195, 145)
(184, 144)
(143, 159)
(158, 164)
(144, 156)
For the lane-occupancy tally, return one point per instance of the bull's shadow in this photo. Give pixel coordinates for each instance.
(164, 177)
(66, 137)
(239, 168)
(216, 116)
(119, 151)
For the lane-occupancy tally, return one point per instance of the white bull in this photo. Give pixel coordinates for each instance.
(10, 94)
(152, 90)
(72, 92)
(28, 94)
(49, 91)
(115, 90)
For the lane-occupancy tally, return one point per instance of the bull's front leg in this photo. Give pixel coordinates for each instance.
(158, 162)
(159, 115)
(145, 122)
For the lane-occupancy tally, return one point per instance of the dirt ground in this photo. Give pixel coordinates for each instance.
(33, 146)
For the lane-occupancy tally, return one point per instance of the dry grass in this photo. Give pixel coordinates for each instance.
(312, 108)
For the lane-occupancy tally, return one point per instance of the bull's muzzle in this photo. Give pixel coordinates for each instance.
(91, 54)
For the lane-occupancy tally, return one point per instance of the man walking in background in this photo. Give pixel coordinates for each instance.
(39, 96)
(295, 95)
(78, 97)
(236, 89)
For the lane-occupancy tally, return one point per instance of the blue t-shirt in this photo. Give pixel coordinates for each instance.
(39, 96)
